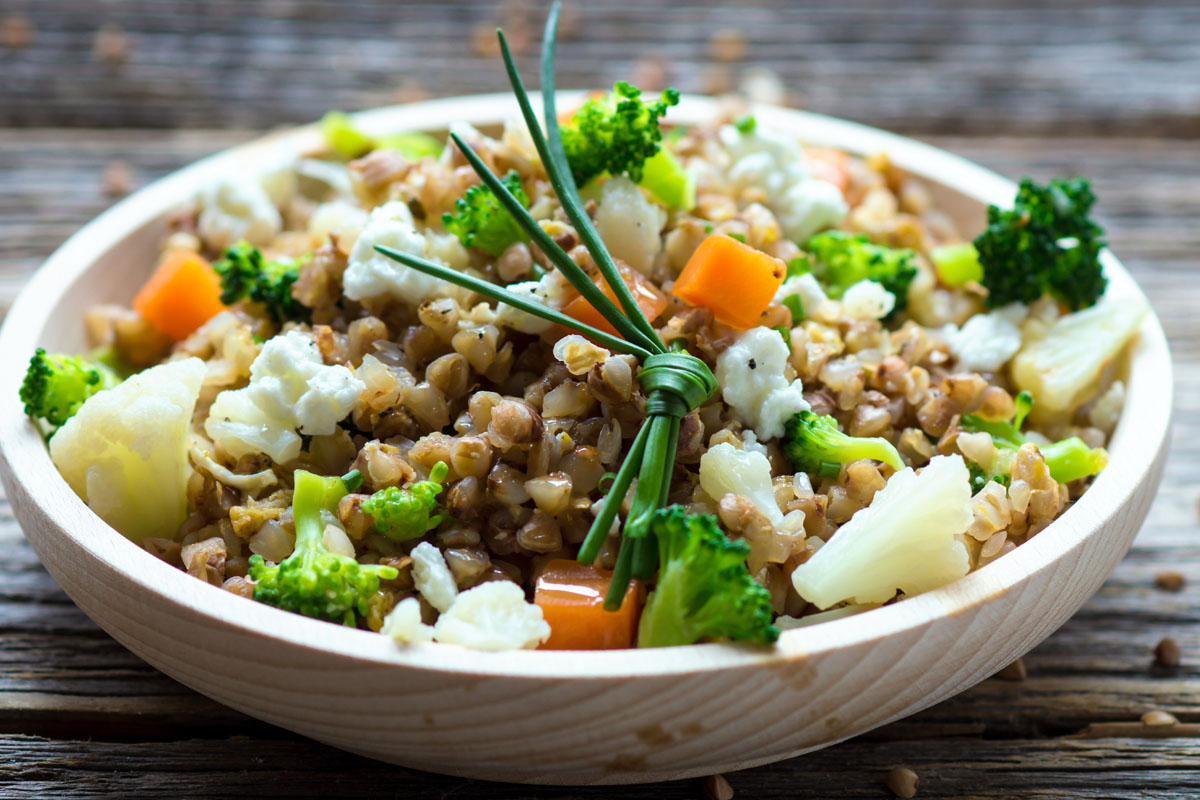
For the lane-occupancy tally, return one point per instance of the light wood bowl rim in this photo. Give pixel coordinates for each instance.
(1143, 428)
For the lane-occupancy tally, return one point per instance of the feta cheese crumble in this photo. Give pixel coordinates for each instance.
(493, 616)
(372, 274)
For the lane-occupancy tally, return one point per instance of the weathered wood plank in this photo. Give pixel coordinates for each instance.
(33, 767)
(1000, 66)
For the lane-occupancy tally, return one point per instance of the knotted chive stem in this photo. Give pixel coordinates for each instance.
(674, 381)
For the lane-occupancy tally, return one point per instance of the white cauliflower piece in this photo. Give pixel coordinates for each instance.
(370, 273)
(493, 616)
(432, 577)
(868, 300)
(987, 341)
(805, 286)
(403, 623)
(1061, 369)
(550, 290)
(125, 452)
(336, 217)
(905, 540)
(726, 470)
(629, 224)
(773, 162)
(291, 392)
(751, 375)
(232, 209)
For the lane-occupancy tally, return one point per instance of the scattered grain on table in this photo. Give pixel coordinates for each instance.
(903, 782)
(484, 41)
(117, 179)
(727, 44)
(112, 44)
(715, 787)
(1158, 719)
(16, 31)
(716, 79)
(1167, 653)
(1169, 581)
(1013, 672)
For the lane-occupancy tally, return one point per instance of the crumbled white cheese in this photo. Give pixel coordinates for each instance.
(868, 300)
(432, 577)
(372, 274)
(403, 623)
(726, 470)
(773, 162)
(629, 224)
(550, 290)
(805, 286)
(232, 209)
(493, 616)
(751, 375)
(291, 392)
(987, 341)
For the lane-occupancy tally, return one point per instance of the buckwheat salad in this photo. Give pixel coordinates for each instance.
(613, 383)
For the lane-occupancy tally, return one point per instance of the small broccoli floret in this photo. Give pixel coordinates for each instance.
(615, 133)
(1068, 460)
(480, 221)
(403, 514)
(704, 590)
(245, 274)
(842, 260)
(56, 385)
(813, 443)
(1045, 243)
(314, 581)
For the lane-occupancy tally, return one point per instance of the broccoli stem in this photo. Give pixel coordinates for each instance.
(311, 494)
(1071, 459)
(957, 264)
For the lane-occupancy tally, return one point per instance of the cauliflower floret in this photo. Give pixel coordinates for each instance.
(1061, 369)
(125, 452)
(805, 286)
(403, 623)
(773, 162)
(550, 290)
(629, 224)
(493, 616)
(868, 300)
(336, 217)
(905, 539)
(291, 392)
(751, 375)
(232, 209)
(372, 274)
(432, 577)
(987, 341)
(726, 470)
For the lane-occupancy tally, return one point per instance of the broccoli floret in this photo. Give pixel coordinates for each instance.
(704, 590)
(1045, 243)
(1068, 460)
(245, 274)
(314, 581)
(403, 514)
(615, 133)
(813, 443)
(56, 385)
(480, 221)
(842, 260)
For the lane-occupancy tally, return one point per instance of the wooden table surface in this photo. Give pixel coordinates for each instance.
(133, 90)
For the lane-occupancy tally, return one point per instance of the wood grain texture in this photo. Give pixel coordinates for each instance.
(997, 66)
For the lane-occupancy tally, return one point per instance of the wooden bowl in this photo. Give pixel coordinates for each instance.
(559, 717)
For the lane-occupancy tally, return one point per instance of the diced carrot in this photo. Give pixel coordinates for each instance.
(649, 299)
(182, 294)
(829, 165)
(571, 596)
(732, 279)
